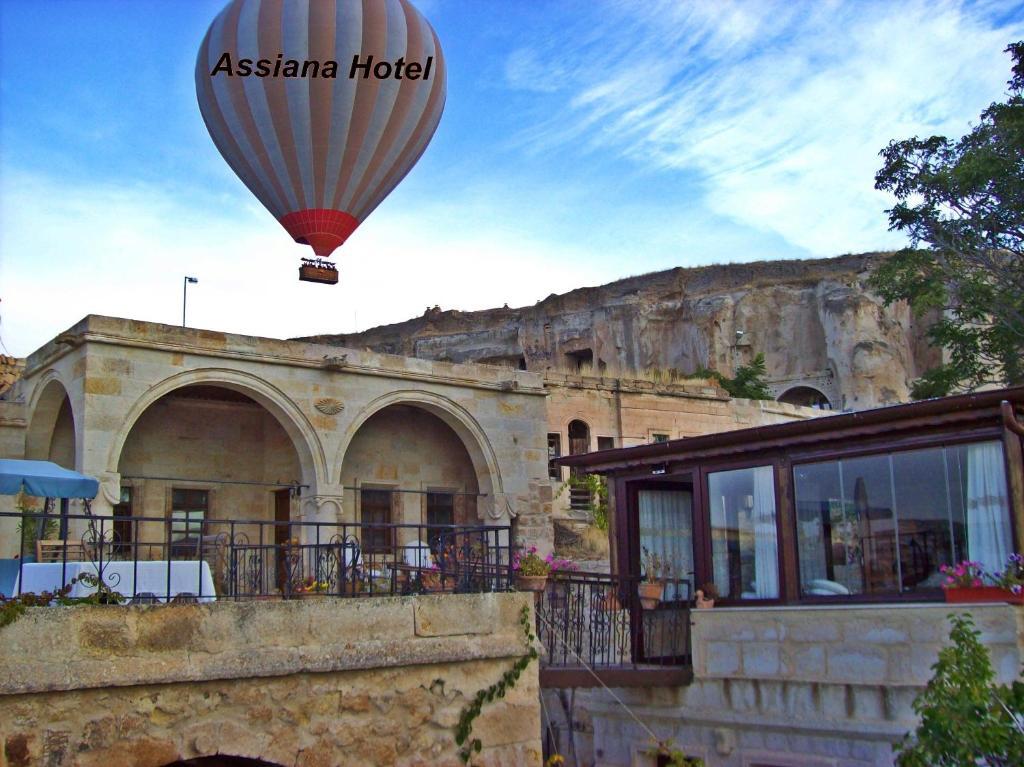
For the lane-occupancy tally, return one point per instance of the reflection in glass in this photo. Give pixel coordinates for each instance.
(887, 523)
(744, 542)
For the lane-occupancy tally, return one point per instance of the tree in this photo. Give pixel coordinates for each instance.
(748, 381)
(966, 720)
(964, 200)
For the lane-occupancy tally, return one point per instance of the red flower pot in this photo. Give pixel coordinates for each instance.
(983, 594)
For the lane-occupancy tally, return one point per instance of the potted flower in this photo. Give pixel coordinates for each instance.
(656, 572)
(706, 596)
(1011, 579)
(531, 571)
(965, 582)
(312, 587)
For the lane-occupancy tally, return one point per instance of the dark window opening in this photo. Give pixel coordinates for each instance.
(581, 361)
(606, 443)
(124, 528)
(657, 438)
(806, 396)
(554, 451)
(579, 442)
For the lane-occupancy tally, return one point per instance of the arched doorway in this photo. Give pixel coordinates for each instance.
(406, 466)
(51, 429)
(196, 458)
(579, 442)
(221, 760)
(806, 396)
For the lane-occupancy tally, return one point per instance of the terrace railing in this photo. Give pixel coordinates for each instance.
(594, 630)
(146, 559)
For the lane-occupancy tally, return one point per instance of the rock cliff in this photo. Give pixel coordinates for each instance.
(823, 333)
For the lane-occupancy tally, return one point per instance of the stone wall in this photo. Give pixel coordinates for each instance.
(317, 682)
(630, 412)
(815, 321)
(113, 371)
(808, 686)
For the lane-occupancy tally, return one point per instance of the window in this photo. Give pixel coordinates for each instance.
(375, 509)
(744, 542)
(606, 443)
(554, 451)
(579, 442)
(189, 509)
(657, 438)
(666, 529)
(124, 528)
(886, 523)
(440, 512)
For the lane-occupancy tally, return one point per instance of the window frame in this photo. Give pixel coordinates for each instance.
(386, 527)
(188, 533)
(912, 444)
(707, 576)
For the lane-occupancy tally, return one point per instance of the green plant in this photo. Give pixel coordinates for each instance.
(966, 719)
(1012, 576)
(961, 198)
(34, 528)
(597, 488)
(748, 383)
(14, 607)
(530, 564)
(464, 729)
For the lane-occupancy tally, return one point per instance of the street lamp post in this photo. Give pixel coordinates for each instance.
(184, 296)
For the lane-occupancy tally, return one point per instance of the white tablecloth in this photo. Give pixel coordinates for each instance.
(126, 578)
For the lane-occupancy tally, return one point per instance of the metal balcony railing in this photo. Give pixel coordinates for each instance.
(594, 629)
(157, 559)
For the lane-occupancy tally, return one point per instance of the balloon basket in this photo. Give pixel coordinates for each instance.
(318, 270)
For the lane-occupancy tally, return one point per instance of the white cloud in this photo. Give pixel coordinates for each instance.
(781, 108)
(71, 250)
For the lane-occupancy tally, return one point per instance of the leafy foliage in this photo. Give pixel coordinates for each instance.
(597, 487)
(33, 528)
(964, 200)
(965, 718)
(468, 745)
(748, 383)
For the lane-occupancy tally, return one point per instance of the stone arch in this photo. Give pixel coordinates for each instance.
(474, 439)
(222, 760)
(579, 430)
(303, 436)
(805, 396)
(49, 398)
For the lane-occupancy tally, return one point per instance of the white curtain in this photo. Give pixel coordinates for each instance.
(666, 529)
(988, 519)
(766, 545)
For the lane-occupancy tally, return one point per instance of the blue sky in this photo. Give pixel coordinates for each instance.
(581, 142)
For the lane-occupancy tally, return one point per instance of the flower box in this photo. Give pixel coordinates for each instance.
(970, 594)
(531, 582)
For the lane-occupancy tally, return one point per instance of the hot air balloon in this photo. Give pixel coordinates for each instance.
(321, 107)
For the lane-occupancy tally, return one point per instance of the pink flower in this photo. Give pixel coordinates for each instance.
(950, 581)
(976, 582)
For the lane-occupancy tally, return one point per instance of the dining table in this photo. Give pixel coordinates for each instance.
(161, 578)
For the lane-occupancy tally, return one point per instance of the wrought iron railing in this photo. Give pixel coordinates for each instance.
(597, 621)
(147, 559)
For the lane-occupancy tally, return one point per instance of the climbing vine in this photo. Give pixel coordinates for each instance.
(464, 730)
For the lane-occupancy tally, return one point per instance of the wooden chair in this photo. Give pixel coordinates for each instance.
(61, 551)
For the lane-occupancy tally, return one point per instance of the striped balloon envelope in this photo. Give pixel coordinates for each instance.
(321, 106)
